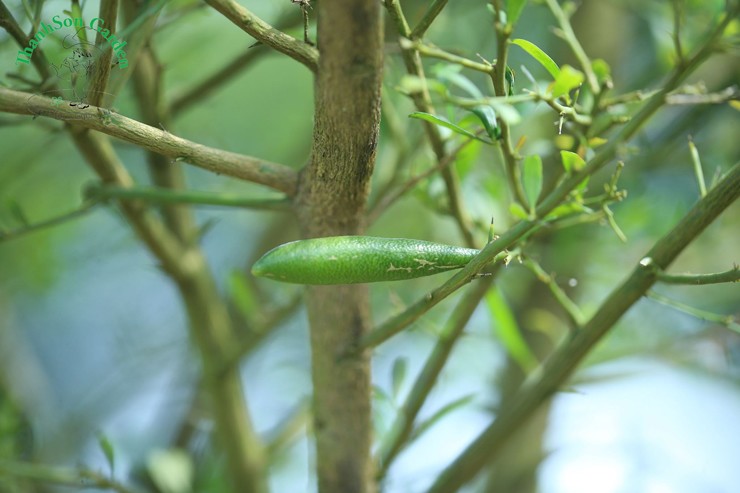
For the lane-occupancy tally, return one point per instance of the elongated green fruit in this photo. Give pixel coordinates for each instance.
(357, 259)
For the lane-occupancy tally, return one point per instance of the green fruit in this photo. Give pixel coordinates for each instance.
(359, 259)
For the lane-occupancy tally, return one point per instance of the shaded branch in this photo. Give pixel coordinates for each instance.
(262, 31)
(158, 195)
(273, 175)
(62, 476)
(732, 275)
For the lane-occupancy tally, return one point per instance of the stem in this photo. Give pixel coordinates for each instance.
(498, 77)
(54, 221)
(331, 201)
(429, 16)
(732, 275)
(155, 195)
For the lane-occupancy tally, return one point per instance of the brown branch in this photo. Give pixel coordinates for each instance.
(262, 31)
(248, 168)
(109, 12)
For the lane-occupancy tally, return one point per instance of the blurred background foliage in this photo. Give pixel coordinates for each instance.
(93, 340)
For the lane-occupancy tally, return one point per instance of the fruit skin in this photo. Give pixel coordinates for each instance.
(358, 259)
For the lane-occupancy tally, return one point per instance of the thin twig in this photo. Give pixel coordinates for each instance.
(572, 311)
(217, 80)
(83, 210)
(732, 275)
(248, 168)
(389, 199)
(498, 77)
(724, 320)
(432, 12)
(575, 45)
(262, 31)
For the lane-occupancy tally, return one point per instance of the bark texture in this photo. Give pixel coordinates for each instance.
(331, 201)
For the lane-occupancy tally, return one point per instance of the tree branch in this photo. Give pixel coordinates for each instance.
(556, 370)
(262, 31)
(273, 175)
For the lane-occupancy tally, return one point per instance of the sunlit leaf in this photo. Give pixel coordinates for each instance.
(539, 55)
(572, 161)
(567, 80)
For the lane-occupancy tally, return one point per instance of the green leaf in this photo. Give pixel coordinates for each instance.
(568, 209)
(567, 80)
(441, 413)
(517, 210)
(539, 55)
(602, 70)
(515, 7)
(532, 179)
(107, 447)
(400, 365)
(572, 161)
(411, 84)
(442, 122)
(508, 332)
(451, 75)
(488, 118)
(242, 297)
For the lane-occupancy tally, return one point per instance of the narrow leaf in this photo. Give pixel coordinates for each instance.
(442, 122)
(539, 55)
(515, 7)
(508, 332)
(532, 179)
(451, 75)
(441, 413)
(400, 365)
(107, 448)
